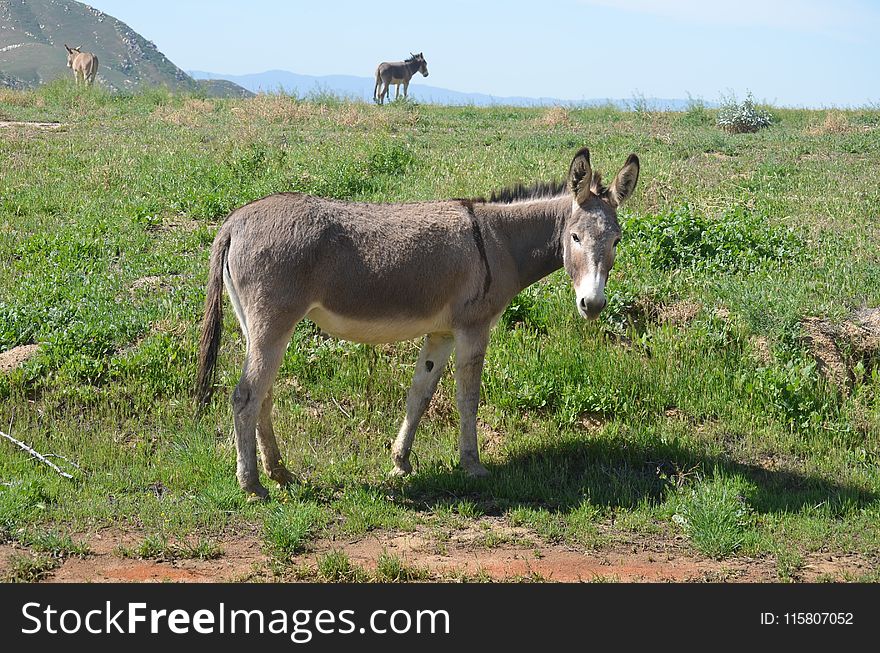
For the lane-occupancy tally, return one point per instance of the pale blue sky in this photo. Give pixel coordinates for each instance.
(788, 52)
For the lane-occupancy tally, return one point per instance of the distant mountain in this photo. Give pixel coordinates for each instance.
(361, 88)
(33, 34)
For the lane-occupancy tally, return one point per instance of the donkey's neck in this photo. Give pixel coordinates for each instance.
(533, 231)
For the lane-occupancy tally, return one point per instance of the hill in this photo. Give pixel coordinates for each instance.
(361, 88)
(33, 34)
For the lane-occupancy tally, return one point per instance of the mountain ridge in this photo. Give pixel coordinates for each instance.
(33, 34)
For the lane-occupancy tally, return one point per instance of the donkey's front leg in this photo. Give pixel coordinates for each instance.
(429, 368)
(470, 347)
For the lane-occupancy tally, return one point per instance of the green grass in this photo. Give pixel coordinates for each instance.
(27, 568)
(715, 515)
(288, 526)
(391, 569)
(336, 567)
(634, 421)
(158, 547)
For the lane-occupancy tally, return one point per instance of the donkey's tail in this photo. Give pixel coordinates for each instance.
(212, 321)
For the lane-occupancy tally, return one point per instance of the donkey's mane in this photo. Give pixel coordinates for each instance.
(538, 190)
(522, 192)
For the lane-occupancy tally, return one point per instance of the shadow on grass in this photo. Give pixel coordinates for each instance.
(615, 473)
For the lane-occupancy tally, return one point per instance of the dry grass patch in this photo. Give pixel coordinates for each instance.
(21, 98)
(276, 109)
(679, 313)
(835, 122)
(762, 352)
(554, 117)
(191, 113)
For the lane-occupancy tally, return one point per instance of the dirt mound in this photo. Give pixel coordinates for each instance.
(14, 357)
(840, 348)
(678, 313)
(647, 312)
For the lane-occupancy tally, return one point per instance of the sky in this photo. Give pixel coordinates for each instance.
(803, 53)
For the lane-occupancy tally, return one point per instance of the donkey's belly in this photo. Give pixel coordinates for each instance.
(378, 330)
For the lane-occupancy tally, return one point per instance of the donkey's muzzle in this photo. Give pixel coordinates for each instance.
(590, 308)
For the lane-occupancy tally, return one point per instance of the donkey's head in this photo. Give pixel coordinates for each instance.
(71, 54)
(423, 65)
(591, 234)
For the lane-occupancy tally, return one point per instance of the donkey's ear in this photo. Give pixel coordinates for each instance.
(67, 47)
(580, 174)
(78, 48)
(625, 182)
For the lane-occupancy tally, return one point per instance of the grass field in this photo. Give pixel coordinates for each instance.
(726, 404)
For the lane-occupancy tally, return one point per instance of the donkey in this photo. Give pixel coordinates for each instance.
(378, 273)
(83, 64)
(398, 72)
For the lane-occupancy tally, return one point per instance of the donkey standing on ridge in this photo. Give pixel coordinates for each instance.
(378, 273)
(83, 64)
(398, 72)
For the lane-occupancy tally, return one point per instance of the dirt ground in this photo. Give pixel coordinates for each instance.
(456, 555)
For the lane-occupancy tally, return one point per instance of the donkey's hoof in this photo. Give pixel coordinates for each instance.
(404, 469)
(475, 470)
(281, 476)
(257, 494)
(402, 466)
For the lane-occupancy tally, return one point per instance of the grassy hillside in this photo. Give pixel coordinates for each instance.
(33, 34)
(729, 397)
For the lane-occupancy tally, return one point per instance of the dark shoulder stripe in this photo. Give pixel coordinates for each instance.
(481, 245)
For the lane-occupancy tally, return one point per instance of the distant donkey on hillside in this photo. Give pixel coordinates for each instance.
(397, 73)
(83, 64)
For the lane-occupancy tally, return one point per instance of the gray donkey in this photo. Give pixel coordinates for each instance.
(398, 72)
(83, 64)
(378, 273)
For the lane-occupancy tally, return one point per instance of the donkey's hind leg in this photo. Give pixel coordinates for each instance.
(260, 368)
(429, 368)
(271, 456)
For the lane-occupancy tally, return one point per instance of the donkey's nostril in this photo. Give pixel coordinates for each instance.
(591, 307)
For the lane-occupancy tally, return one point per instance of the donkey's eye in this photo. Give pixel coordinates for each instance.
(575, 238)
(616, 240)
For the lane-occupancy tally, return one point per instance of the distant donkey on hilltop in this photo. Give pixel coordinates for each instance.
(83, 64)
(397, 73)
